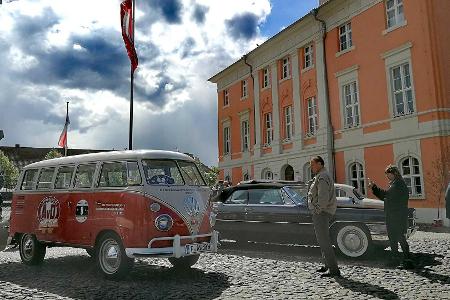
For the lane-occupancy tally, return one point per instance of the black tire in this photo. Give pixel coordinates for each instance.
(184, 262)
(32, 252)
(353, 240)
(111, 258)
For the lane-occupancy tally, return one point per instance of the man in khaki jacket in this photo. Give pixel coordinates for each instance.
(322, 203)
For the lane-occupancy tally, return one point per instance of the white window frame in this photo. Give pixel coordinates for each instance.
(245, 133)
(412, 187)
(266, 77)
(345, 37)
(397, 13)
(359, 181)
(285, 68)
(407, 106)
(350, 102)
(226, 98)
(288, 126)
(268, 129)
(308, 56)
(311, 114)
(226, 140)
(244, 88)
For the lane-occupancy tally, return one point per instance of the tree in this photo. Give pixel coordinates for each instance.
(211, 176)
(439, 177)
(8, 171)
(53, 154)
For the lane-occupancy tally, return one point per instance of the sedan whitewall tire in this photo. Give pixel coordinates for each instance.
(352, 240)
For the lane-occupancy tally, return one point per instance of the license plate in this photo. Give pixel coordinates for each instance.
(197, 248)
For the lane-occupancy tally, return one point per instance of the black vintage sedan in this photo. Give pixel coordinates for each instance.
(278, 213)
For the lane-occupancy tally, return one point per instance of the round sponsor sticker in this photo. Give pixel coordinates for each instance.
(82, 211)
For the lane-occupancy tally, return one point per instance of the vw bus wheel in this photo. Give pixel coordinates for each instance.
(352, 240)
(32, 252)
(184, 262)
(111, 257)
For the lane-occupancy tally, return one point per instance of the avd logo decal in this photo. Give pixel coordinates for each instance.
(48, 213)
(82, 211)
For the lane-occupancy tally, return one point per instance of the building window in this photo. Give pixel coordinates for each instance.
(226, 99)
(394, 12)
(266, 77)
(268, 128)
(402, 90)
(411, 175)
(345, 37)
(226, 140)
(288, 122)
(351, 104)
(246, 177)
(308, 58)
(267, 174)
(243, 88)
(356, 173)
(285, 68)
(312, 116)
(245, 135)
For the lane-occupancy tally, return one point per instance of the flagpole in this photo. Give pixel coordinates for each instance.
(130, 138)
(67, 115)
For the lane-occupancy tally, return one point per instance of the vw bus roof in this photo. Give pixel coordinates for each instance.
(112, 155)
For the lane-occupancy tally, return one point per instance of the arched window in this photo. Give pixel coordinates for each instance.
(246, 176)
(307, 172)
(267, 174)
(411, 174)
(289, 173)
(356, 176)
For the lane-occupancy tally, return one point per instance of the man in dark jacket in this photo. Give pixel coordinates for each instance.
(396, 211)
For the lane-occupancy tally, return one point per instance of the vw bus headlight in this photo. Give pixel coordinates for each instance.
(163, 222)
(212, 219)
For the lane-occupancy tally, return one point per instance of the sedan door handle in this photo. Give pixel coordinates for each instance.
(248, 209)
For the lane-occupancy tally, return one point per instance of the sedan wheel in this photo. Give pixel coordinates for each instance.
(111, 258)
(32, 252)
(352, 240)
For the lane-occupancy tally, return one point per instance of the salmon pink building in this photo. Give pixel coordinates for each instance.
(363, 83)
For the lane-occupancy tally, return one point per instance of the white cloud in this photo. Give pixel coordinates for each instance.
(104, 123)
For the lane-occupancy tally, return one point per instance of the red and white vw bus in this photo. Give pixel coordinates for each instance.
(117, 205)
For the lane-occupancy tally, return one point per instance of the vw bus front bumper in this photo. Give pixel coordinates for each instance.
(177, 250)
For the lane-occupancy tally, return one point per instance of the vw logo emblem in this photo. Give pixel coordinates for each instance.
(191, 206)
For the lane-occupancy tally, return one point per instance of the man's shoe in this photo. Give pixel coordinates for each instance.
(331, 274)
(322, 269)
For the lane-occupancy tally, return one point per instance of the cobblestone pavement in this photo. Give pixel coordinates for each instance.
(258, 272)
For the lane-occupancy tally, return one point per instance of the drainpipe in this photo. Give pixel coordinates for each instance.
(330, 131)
(253, 86)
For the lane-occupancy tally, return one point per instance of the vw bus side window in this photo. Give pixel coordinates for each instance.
(84, 176)
(28, 181)
(119, 174)
(161, 172)
(190, 173)
(45, 179)
(133, 174)
(64, 177)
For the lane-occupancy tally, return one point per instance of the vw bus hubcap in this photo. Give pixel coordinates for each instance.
(28, 247)
(110, 256)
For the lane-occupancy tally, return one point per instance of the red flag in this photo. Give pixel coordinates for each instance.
(63, 137)
(126, 18)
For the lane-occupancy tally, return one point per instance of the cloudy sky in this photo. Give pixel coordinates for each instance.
(57, 51)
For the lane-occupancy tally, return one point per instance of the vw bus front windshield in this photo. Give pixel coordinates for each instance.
(170, 172)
